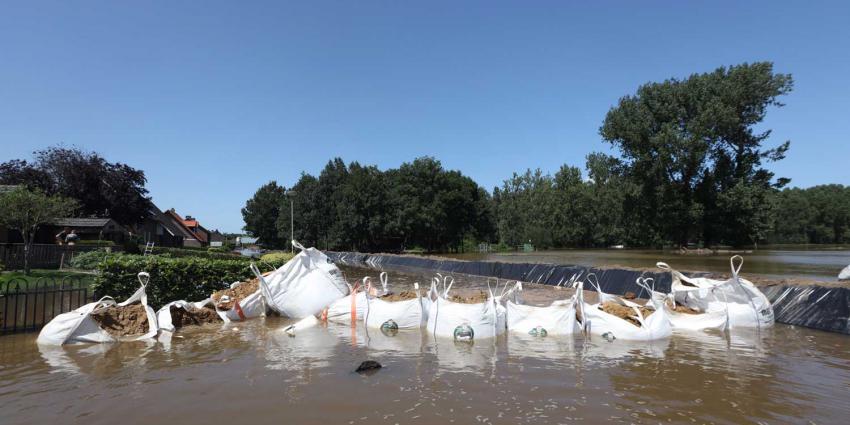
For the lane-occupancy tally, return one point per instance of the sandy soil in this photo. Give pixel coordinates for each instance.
(123, 321)
(235, 294)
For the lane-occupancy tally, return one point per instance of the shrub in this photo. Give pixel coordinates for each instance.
(277, 257)
(88, 260)
(193, 252)
(181, 278)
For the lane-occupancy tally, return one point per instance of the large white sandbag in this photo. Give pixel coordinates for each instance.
(743, 303)
(597, 322)
(250, 307)
(466, 321)
(78, 326)
(304, 286)
(703, 320)
(559, 318)
(405, 314)
(163, 315)
(350, 308)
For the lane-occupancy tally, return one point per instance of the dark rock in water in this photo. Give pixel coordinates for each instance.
(368, 367)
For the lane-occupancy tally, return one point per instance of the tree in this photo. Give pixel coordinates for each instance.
(102, 188)
(261, 214)
(686, 142)
(26, 210)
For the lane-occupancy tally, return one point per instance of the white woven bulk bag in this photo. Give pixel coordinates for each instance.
(559, 318)
(466, 321)
(597, 322)
(304, 286)
(78, 326)
(249, 307)
(743, 303)
(395, 315)
(701, 321)
(350, 308)
(163, 315)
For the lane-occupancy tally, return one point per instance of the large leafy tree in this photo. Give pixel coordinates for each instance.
(692, 147)
(261, 214)
(26, 210)
(101, 188)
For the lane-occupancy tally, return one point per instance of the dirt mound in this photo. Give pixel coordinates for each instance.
(123, 321)
(478, 298)
(401, 296)
(191, 316)
(235, 294)
(625, 313)
(679, 308)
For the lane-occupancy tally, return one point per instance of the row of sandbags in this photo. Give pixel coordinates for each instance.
(302, 287)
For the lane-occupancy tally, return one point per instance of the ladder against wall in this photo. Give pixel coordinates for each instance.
(149, 248)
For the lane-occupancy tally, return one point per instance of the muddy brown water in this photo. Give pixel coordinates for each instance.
(252, 372)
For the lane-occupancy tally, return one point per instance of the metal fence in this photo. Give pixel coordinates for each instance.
(29, 305)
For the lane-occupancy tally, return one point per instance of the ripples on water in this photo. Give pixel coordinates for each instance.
(253, 372)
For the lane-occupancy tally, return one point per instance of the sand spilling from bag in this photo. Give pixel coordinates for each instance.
(478, 298)
(399, 296)
(235, 294)
(191, 316)
(123, 321)
(679, 308)
(624, 312)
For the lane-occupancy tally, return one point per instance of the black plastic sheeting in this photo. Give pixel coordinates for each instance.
(614, 281)
(818, 307)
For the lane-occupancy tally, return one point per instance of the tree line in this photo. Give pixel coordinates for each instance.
(691, 168)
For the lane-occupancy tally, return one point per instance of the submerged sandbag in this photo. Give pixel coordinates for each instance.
(178, 314)
(616, 318)
(392, 311)
(743, 304)
(350, 308)
(104, 321)
(463, 321)
(559, 318)
(683, 317)
(304, 286)
(241, 301)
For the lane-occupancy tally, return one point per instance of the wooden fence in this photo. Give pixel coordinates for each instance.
(42, 256)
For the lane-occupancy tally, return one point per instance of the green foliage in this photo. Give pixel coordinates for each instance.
(101, 188)
(819, 214)
(26, 210)
(692, 149)
(88, 260)
(186, 278)
(278, 257)
(261, 212)
(193, 252)
(357, 207)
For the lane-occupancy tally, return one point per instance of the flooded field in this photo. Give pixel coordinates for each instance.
(789, 262)
(253, 372)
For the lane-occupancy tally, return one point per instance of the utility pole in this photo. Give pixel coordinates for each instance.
(289, 193)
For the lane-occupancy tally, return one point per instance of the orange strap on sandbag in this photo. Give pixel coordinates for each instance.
(354, 304)
(239, 311)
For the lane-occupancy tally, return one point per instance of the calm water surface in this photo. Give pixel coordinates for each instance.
(820, 264)
(252, 372)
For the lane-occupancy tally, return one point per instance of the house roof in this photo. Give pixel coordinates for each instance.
(175, 218)
(191, 223)
(82, 222)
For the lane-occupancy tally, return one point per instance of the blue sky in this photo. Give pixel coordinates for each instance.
(213, 99)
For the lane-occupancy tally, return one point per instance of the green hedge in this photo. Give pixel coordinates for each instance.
(88, 260)
(277, 257)
(183, 278)
(193, 252)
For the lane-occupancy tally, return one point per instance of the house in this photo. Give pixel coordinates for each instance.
(162, 229)
(189, 229)
(216, 238)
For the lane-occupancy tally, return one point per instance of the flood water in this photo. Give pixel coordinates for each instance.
(253, 372)
(818, 263)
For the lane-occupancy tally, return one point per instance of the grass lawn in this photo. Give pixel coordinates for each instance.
(42, 276)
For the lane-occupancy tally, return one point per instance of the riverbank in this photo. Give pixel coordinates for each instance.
(800, 302)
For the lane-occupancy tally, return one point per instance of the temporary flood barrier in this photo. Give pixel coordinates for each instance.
(824, 307)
